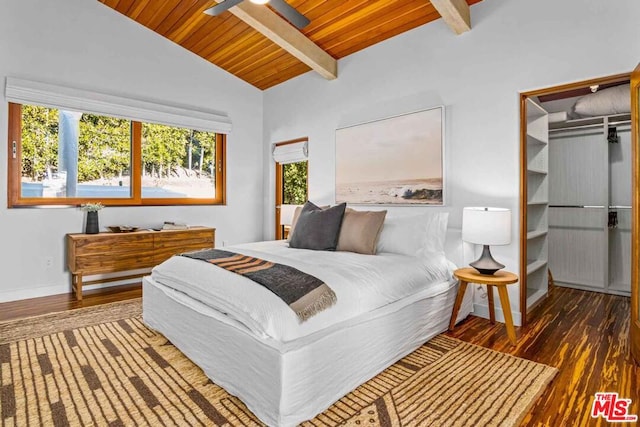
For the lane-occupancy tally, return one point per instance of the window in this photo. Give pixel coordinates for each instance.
(62, 157)
(177, 162)
(294, 182)
(291, 181)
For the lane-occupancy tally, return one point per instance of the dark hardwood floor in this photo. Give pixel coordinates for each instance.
(51, 304)
(584, 334)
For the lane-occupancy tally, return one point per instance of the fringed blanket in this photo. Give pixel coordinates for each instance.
(305, 294)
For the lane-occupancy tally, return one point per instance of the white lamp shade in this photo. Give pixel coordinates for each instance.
(486, 226)
(286, 214)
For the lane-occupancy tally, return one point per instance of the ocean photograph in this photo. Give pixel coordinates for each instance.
(391, 161)
(427, 191)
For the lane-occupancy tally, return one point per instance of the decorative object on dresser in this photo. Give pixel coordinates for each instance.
(393, 161)
(122, 228)
(91, 254)
(171, 225)
(486, 226)
(91, 221)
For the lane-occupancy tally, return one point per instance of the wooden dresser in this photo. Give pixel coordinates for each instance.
(89, 254)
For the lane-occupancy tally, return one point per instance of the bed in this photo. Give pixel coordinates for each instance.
(286, 371)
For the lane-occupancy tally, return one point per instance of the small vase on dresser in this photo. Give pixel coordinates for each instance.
(92, 226)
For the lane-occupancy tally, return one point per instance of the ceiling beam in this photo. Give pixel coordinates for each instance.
(456, 14)
(285, 35)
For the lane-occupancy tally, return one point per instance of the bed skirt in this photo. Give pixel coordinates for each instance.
(284, 385)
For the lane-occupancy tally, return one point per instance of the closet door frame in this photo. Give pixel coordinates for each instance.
(618, 78)
(635, 221)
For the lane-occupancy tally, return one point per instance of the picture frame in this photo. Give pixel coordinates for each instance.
(397, 160)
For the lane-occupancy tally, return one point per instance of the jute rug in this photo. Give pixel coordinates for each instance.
(102, 366)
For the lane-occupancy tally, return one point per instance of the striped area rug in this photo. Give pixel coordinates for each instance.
(102, 366)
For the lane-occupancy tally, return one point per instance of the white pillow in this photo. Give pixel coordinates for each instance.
(414, 235)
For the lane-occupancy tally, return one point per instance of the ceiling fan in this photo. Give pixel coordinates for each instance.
(281, 6)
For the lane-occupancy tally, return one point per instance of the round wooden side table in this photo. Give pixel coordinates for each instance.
(499, 280)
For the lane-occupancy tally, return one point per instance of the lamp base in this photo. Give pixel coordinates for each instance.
(486, 264)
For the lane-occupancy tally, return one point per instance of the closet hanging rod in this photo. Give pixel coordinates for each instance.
(577, 206)
(597, 125)
(620, 122)
(589, 207)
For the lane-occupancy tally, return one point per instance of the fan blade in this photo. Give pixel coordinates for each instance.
(292, 15)
(221, 7)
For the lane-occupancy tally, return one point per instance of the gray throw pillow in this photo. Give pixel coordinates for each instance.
(318, 228)
(294, 221)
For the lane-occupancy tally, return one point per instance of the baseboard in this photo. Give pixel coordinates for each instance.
(45, 291)
(610, 290)
(483, 311)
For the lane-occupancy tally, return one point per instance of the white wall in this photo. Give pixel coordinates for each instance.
(85, 44)
(514, 46)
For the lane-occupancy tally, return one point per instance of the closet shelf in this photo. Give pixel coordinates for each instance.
(537, 177)
(537, 124)
(590, 121)
(538, 171)
(536, 233)
(539, 139)
(536, 265)
(534, 110)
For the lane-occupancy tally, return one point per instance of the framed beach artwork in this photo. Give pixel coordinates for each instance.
(393, 161)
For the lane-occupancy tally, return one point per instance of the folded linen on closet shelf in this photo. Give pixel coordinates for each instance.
(560, 116)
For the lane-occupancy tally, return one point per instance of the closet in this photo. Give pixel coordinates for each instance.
(590, 203)
(577, 190)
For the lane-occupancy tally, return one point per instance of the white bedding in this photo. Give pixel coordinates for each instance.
(362, 283)
(286, 384)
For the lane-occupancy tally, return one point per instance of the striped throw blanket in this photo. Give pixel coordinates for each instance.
(306, 295)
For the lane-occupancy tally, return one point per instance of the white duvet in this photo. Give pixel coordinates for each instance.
(362, 283)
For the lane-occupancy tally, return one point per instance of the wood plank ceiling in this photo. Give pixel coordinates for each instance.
(339, 27)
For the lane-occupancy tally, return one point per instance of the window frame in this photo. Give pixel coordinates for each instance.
(14, 172)
(279, 186)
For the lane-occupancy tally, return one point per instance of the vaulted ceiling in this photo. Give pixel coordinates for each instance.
(257, 45)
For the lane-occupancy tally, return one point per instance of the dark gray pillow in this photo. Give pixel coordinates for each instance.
(318, 228)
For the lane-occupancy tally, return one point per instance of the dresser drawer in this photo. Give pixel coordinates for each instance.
(113, 243)
(100, 263)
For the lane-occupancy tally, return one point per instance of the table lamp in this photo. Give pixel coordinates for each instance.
(486, 226)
